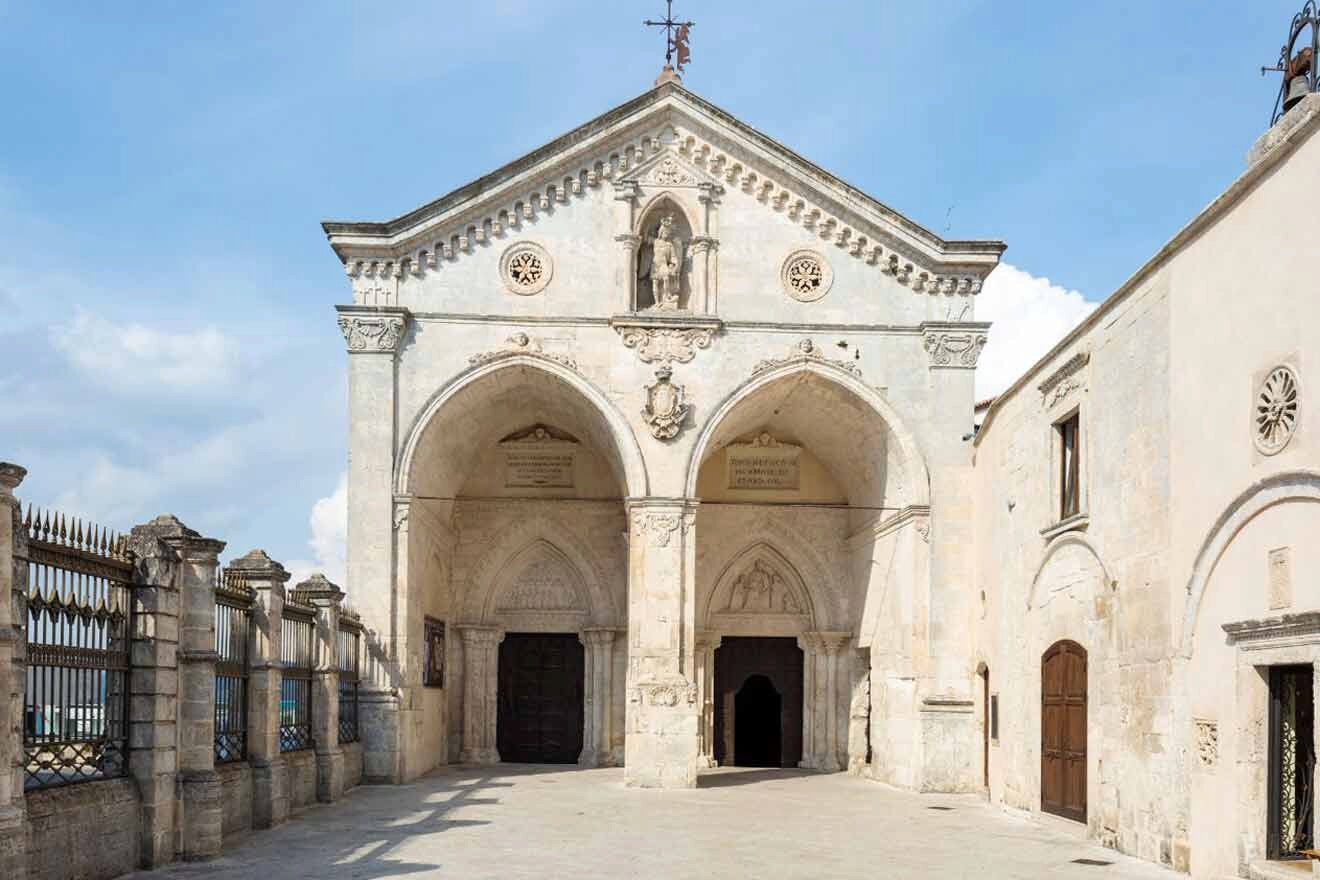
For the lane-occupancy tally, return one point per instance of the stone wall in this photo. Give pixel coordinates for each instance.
(300, 778)
(236, 798)
(89, 831)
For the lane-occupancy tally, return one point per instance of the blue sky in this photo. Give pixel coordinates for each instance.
(167, 341)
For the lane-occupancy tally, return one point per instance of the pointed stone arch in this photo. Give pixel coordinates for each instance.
(537, 581)
(760, 586)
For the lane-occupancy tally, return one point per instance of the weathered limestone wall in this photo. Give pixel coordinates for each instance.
(300, 778)
(236, 798)
(1100, 579)
(352, 765)
(90, 831)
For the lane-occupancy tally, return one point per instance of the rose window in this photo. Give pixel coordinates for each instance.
(806, 276)
(1276, 410)
(526, 268)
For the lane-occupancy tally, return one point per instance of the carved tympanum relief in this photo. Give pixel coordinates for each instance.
(762, 589)
(526, 268)
(806, 275)
(544, 581)
(1277, 407)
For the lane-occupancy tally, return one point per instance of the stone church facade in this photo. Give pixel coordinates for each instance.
(663, 454)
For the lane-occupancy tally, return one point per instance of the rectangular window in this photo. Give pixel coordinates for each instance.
(433, 672)
(994, 717)
(1070, 502)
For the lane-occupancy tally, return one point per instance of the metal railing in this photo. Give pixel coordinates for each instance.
(348, 657)
(79, 621)
(233, 625)
(297, 651)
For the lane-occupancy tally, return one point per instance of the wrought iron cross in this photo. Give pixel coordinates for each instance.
(676, 37)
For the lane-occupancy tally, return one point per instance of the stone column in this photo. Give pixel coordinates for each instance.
(810, 645)
(13, 675)
(859, 711)
(266, 577)
(200, 795)
(706, 644)
(373, 336)
(661, 746)
(703, 259)
(822, 695)
(153, 734)
(599, 687)
(481, 667)
(327, 599)
(628, 244)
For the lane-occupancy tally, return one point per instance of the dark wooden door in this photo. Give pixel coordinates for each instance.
(539, 717)
(758, 702)
(1063, 731)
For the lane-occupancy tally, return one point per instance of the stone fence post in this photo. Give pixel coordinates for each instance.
(266, 577)
(13, 667)
(327, 599)
(154, 687)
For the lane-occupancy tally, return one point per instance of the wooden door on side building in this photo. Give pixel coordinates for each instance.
(1063, 731)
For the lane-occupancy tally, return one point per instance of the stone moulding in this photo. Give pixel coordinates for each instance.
(954, 345)
(1064, 380)
(1286, 627)
(520, 344)
(666, 340)
(806, 351)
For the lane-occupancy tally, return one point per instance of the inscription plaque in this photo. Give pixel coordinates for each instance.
(764, 464)
(538, 459)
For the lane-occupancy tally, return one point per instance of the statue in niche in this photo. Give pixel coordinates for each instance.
(762, 589)
(661, 262)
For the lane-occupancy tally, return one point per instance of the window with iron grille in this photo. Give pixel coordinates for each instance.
(349, 657)
(296, 651)
(79, 610)
(233, 620)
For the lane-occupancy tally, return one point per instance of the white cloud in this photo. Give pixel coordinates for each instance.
(1030, 315)
(129, 357)
(329, 525)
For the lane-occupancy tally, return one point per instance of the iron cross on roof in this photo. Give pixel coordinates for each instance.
(676, 37)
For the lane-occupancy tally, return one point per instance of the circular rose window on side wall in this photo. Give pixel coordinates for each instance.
(526, 268)
(806, 276)
(1275, 410)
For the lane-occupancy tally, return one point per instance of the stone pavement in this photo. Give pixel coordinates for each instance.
(515, 821)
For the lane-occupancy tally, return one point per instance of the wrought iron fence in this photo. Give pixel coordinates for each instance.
(297, 650)
(233, 624)
(348, 655)
(79, 621)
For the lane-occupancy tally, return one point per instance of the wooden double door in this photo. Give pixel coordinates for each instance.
(540, 711)
(758, 702)
(1063, 731)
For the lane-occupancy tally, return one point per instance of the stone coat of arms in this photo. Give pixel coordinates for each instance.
(666, 406)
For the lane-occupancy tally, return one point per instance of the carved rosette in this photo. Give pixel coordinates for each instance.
(668, 694)
(806, 351)
(954, 349)
(377, 334)
(520, 344)
(666, 406)
(666, 345)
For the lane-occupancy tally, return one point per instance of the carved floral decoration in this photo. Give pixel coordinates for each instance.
(1276, 409)
(375, 334)
(666, 406)
(520, 344)
(806, 276)
(666, 345)
(806, 352)
(954, 349)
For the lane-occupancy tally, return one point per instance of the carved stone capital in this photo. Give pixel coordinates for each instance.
(954, 345)
(481, 636)
(10, 476)
(372, 332)
(630, 241)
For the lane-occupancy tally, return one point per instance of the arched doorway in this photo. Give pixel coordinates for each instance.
(540, 712)
(758, 702)
(1063, 731)
(759, 735)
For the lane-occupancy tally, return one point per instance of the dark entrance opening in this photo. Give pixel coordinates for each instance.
(758, 702)
(758, 738)
(539, 715)
(1291, 761)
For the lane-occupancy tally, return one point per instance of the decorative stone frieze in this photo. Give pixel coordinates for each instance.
(1302, 627)
(806, 351)
(520, 344)
(954, 345)
(372, 333)
(806, 275)
(666, 406)
(1207, 742)
(1065, 380)
(666, 345)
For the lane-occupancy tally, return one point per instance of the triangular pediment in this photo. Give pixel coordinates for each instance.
(667, 134)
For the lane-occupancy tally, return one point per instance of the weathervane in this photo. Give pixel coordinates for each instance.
(677, 53)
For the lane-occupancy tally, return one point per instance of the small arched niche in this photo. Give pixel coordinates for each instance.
(664, 261)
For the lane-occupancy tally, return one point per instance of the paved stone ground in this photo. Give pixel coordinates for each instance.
(517, 821)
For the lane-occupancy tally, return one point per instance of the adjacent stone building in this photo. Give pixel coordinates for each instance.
(662, 454)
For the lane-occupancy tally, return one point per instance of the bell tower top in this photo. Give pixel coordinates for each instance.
(1299, 60)
(677, 51)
